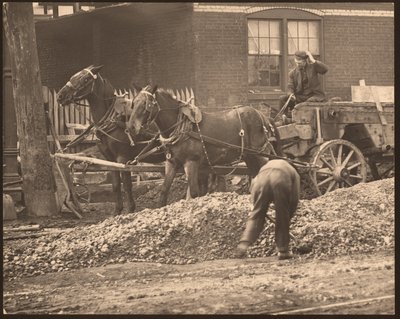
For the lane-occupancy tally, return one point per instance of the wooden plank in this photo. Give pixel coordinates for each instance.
(82, 114)
(87, 115)
(51, 109)
(71, 113)
(56, 119)
(68, 138)
(385, 94)
(61, 117)
(77, 114)
(45, 91)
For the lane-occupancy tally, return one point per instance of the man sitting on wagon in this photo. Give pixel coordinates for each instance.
(304, 83)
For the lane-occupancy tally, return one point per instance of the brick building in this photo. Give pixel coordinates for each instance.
(229, 53)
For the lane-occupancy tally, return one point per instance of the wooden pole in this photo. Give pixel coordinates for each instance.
(38, 178)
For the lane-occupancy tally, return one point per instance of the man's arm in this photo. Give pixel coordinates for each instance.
(291, 83)
(320, 67)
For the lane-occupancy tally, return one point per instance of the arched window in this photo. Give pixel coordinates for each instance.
(273, 37)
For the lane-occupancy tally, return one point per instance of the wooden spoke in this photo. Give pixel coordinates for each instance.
(325, 181)
(356, 177)
(348, 183)
(354, 166)
(331, 185)
(332, 156)
(339, 158)
(327, 163)
(348, 157)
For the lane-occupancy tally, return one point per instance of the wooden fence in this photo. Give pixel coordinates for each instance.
(70, 120)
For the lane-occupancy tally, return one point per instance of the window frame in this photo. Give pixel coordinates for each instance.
(283, 15)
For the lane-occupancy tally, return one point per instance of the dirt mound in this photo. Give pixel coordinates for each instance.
(357, 219)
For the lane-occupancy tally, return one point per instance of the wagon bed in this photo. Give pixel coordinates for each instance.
(328, 134)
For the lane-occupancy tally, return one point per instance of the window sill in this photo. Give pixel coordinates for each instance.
(264, 95)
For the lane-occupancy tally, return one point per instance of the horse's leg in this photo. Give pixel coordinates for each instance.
(127, 183)
(115, 179)
(192, 172)
(116, 187)
(170, 172)
(203, 182)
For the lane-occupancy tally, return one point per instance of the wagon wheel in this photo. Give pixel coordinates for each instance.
(82, 192)
(341, 164)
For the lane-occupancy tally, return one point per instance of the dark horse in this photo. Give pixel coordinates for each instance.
(219, 138)
(115, 145)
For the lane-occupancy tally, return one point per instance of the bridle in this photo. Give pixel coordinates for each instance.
(150, 106)
(79, 88)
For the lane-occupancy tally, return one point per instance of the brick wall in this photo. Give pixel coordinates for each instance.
(157, 53)
(61, 56)
(220, 58)
(358, 48)
(208, 52)
(355, 48)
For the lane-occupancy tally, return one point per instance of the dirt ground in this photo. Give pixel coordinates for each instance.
(230, 286)
(350, 283)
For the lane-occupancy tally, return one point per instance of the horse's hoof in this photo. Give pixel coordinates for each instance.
(284, 255)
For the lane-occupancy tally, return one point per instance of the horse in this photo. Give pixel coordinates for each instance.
(242, 133)
(115, 144)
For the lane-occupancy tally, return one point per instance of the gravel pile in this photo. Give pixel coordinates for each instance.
(346, 221)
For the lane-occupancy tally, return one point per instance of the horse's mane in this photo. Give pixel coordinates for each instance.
(168, 94)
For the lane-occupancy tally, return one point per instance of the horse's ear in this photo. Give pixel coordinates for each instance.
(154, 89)
(97, 68)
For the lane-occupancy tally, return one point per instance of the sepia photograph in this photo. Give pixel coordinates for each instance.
(198, 158)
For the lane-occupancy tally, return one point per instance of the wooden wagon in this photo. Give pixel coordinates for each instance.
(339, 139)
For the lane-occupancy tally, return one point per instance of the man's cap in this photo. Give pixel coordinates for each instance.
(300, 55)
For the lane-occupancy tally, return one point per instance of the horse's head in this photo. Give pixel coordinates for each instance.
(144, 109)
(79, 85)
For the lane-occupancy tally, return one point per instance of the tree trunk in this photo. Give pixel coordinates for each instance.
(38, 178)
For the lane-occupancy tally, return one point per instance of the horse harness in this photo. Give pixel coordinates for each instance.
(183, 130)
(110, 120)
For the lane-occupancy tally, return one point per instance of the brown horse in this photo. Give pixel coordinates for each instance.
(115, 144)
(219, 138)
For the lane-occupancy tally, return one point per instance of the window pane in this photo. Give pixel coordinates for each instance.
(264, 46)
(264, 71)
(303, 29)
(275, 46)
(313, 29)
(292, 29)
(275, 29)
(314, 46)
(253, 46)
(303, 44)
(264, 28)
(252, 28)
(252, 71)
(292, 46)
